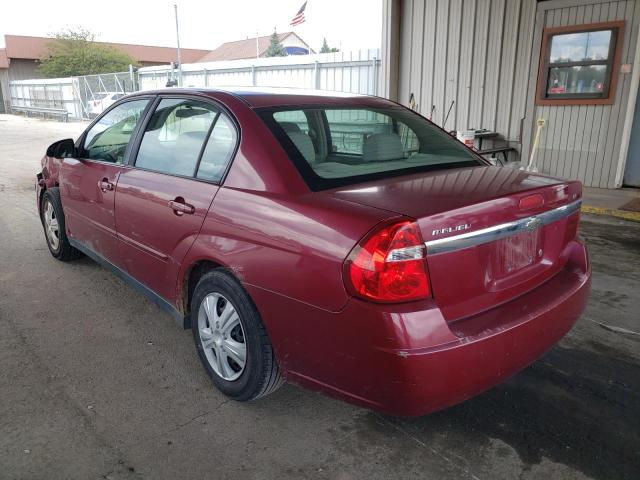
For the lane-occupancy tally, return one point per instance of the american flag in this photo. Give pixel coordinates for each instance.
(299, 18)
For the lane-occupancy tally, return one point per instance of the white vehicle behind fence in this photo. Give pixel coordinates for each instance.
(101, 101)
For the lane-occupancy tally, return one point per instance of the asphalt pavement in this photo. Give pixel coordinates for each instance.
(98, 383)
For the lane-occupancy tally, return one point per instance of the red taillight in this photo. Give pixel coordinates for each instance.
(389, 265)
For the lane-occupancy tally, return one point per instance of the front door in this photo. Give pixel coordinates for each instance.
(88, 182)
(161, 202)
(632, 170)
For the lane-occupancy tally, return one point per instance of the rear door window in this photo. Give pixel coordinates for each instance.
(219, 150)
(174, 137)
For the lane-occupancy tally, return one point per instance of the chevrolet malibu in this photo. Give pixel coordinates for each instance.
(341, 242)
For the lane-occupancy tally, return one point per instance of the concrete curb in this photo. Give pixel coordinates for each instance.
(632, 216)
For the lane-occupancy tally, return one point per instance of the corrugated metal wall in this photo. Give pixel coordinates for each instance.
(20, 69)
(484, 54)
(4, 87)
(474, 53)
(584, 141)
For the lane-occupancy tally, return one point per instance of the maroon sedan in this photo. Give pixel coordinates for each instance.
(341, 242)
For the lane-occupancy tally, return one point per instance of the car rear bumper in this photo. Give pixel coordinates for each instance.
(409, 362)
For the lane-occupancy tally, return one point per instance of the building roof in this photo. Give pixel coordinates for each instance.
(241, 49)
(33, 48)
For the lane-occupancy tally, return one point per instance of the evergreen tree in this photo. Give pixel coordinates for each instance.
(275, 47)
(325, 47)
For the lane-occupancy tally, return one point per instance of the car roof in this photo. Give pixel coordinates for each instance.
(257, 97)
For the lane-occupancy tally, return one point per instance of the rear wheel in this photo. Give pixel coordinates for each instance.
(52, 218)
(231, 340)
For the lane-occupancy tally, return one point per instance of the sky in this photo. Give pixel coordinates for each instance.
(347, 24)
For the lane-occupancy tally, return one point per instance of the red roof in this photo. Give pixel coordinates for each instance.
(241, 49)
(33, 48)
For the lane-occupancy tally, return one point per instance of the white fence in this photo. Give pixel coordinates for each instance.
(352, 72)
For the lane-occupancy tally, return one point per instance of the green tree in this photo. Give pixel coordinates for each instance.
(275, 47)
(75, 52)
(325, 47)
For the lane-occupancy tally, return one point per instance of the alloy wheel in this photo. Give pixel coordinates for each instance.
(51, 225)
(222, 336)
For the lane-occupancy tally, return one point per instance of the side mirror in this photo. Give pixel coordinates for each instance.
(62, 149)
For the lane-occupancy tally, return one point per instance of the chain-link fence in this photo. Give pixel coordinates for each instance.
(97, 92)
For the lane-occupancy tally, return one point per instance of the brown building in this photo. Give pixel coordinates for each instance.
(20, 57)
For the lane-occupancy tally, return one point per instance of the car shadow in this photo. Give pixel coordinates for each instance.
(578, 407)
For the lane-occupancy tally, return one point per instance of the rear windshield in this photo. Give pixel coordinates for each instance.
(338, 146)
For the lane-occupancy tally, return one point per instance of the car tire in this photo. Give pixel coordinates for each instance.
(213, 325)
(53, 223)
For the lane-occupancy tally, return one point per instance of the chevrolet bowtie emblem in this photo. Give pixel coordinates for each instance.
(533, 223)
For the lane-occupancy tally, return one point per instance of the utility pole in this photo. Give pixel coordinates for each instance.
(175, 8)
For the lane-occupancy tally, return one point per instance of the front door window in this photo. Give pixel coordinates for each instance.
(107, 140)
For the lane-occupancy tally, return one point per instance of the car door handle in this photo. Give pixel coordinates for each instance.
(105, 185)
(180, 207)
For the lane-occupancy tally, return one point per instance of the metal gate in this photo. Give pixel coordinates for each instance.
(75, 97)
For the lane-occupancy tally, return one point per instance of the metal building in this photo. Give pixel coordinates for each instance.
(554, 78)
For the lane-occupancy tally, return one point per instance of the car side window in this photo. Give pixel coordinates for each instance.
(175, 135)
(219, 149)
(107, 140)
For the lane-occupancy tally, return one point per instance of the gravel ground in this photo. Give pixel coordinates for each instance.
(97, 382)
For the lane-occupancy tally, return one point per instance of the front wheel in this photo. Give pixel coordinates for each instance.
(52, 218)
(231, 340)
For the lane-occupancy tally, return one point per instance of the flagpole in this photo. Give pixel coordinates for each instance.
(175, 9)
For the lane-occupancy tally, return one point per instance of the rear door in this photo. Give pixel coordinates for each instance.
(88, 183)
(161, 202)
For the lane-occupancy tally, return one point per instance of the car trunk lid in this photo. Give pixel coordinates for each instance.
(492, 233)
